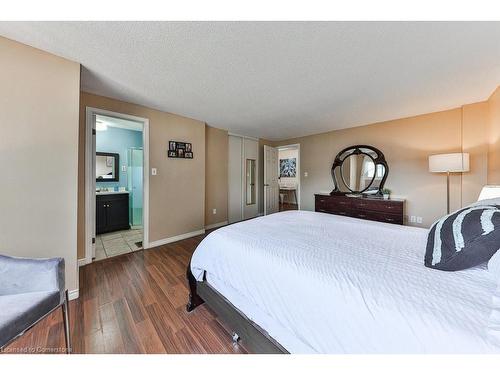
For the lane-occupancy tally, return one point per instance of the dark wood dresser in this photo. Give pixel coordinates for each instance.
(368, 208)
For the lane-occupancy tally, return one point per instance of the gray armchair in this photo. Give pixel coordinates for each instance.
(30, 289)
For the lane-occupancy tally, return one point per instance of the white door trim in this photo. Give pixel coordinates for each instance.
(90, 176)
(297, 145)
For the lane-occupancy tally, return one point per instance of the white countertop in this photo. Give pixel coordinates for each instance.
(110, 192)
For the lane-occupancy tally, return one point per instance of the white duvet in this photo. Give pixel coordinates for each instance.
(321, 283)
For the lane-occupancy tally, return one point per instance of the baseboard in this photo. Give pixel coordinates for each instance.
(165, 241)
(73, 294)
(216, 225)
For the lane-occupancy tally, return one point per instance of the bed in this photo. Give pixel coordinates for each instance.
(318, 283)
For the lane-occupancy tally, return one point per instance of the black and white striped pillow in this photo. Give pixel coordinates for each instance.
(465, 238)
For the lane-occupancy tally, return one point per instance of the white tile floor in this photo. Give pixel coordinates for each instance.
(116, 243)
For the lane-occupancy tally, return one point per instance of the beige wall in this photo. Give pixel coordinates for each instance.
(177, 192)
(475, 133)
(406, 143)
(494, 138)
(216, 188)
(39, 155)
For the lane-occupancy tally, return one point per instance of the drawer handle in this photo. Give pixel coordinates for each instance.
(321, 210)
(362, 205)
(344, 203)
(361, 215)
(342, 213)
(389, 219)
(321, 201)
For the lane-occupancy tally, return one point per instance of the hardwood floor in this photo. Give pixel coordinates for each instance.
(288, 206)
(134, 303)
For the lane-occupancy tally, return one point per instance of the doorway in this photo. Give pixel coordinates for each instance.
(281, 178)
(117, 184)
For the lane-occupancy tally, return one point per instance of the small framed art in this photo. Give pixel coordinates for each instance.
(180, 150)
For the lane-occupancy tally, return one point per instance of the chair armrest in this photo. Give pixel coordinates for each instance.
(24, 275)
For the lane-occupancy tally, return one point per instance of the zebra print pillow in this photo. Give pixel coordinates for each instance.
(465, 238)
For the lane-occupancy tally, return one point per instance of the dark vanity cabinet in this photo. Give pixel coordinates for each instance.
(112, 212)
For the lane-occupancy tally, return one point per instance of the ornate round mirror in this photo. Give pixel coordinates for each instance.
(359, 170)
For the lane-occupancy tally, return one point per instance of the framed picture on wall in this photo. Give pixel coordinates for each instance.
(288, 167)
(180, 150)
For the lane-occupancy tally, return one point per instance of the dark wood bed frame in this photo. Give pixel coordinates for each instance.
(253, 337)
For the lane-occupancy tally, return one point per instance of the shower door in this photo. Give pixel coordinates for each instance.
(135, 186)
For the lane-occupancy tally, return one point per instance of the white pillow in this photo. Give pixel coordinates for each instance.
(494, 266)
(487, 202)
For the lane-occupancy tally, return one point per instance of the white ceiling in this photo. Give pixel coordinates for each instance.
(278, 80)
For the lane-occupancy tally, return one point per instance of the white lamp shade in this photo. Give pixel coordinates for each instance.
(456, 162)
(489, 192)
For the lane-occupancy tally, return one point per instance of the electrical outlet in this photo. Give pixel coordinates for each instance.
(413, 219)
(214, 211)
(419, 219)
(153, 171)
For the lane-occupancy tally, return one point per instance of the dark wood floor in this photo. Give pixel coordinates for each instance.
(134, 303)
(288, 206)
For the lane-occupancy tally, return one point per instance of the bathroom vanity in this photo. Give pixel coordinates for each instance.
(112, 211)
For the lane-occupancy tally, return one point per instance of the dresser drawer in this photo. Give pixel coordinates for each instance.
(386, 211)
(379, 216)
(378, 205)
(332, 204)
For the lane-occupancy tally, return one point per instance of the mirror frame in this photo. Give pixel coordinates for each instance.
(356, 150)
(117, 167)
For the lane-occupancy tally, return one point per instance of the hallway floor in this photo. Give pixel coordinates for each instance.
(117, 243)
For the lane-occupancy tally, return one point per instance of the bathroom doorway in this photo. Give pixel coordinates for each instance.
(116, 184)
(289, 177)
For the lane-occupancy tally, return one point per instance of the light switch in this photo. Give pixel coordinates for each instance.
(153, 171)
(124, 168)
(419, 219)
(306, 174)
(214, 211)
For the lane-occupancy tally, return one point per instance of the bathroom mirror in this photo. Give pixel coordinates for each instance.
(250, 182)
(359, 170)
(106, 166)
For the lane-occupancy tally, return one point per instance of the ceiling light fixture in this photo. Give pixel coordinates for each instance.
(100, 126)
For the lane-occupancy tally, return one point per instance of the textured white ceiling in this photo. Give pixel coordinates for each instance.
(278, 80)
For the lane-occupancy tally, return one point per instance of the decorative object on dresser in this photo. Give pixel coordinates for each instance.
(359, 169)
(368, 207)
(112, 212)
(180, 150)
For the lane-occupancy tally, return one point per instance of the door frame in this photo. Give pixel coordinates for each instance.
(90, 112)
(299, 183)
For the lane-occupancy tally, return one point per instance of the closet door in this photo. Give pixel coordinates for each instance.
(235, 173)
(250, 177)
